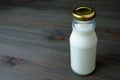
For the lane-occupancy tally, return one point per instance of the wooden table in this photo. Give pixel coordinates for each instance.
(34, 40)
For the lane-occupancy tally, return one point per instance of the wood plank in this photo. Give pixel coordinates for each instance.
(3, 2)
(106, 15)
(38, 70)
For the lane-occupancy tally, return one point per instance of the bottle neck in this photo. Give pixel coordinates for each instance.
(83, 26)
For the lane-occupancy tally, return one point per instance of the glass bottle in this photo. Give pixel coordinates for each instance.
(83, 41)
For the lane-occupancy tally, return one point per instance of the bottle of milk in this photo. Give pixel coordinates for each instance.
(83, 41)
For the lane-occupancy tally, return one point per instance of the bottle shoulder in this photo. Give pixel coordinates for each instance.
(83, 26)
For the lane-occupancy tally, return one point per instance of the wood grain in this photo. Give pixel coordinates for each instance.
(36, 34)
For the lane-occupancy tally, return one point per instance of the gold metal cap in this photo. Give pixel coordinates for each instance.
(83, 13)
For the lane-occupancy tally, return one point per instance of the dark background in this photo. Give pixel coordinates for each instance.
(34, 39)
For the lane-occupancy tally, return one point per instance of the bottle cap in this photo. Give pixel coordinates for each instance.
(83, 13)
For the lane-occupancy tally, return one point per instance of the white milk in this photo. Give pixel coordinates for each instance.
(83, 42)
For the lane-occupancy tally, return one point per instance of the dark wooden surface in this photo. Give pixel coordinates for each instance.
(34, 39)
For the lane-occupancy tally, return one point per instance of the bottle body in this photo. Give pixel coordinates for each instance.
(83, 41)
